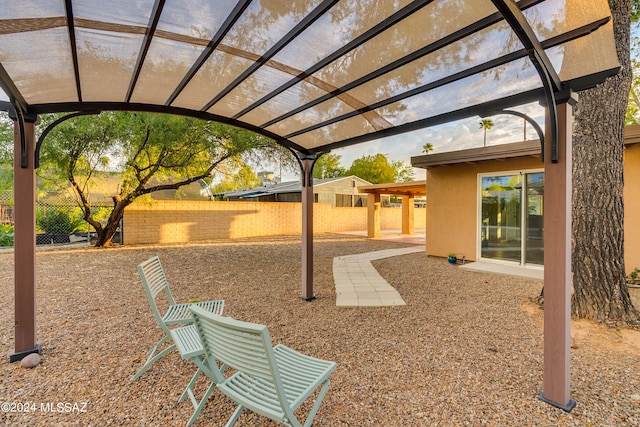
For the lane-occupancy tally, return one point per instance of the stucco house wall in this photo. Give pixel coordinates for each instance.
(632, 199)
(452, 204)
(452, 189)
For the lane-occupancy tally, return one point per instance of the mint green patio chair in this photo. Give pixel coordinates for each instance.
(270, 381)
(189, 346)
(155, 283)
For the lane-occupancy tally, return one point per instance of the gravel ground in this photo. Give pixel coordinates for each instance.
(465, 350)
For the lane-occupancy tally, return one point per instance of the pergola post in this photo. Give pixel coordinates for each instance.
(24, 182)
(408, 207)
(557, 262)
(307, 227)
(373, 215)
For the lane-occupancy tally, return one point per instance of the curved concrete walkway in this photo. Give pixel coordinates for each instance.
(358, 284)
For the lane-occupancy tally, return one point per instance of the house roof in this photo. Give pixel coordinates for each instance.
(492, 152)
(283, 187)
(631, 134)
(314, 74)
(500, 152)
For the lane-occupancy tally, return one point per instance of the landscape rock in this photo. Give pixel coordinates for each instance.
(30, 361)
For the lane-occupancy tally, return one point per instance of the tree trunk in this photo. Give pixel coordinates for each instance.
(105, 236)
(600, 290)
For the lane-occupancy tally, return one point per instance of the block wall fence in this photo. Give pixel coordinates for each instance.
(177, 221)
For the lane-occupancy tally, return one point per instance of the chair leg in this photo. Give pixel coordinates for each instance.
(188, 391)
(151, 359)
(235, 416)
(189, 386)
(199, 405)
(318, 402)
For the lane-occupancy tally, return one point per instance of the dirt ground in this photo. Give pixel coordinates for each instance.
(467, 349)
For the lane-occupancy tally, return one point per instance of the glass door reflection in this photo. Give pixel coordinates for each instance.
(534, 244)
(501, 231)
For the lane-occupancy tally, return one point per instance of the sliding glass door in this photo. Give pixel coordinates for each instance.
(511, 227)
(534, 243)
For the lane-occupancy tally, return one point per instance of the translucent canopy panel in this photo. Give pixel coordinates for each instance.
(312, 74)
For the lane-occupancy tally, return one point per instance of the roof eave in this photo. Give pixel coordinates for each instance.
(493, 152)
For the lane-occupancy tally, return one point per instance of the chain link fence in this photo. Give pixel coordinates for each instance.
(58, 220)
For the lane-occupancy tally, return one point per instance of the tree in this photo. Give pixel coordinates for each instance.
(328, 166)
(403, 171)
(426, 148)
(152, 152)
(6, 154)
(485, 125)
(600, 291)
(242, 177)
(377, 169)
(633, 105)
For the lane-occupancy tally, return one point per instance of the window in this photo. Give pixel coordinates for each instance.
(511, 217)
(343, 200)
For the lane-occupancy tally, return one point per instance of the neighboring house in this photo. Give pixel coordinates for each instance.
(338, 192)
(487, 203)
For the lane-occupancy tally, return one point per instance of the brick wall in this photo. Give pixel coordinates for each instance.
(176, 221)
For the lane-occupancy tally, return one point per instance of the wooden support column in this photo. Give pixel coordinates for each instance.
(557, 263)
(307, 227)
(408, 207)
(24, 184)
(373, 215)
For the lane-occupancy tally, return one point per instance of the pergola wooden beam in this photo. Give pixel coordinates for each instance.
(557, 264)
(24, 182)
(408, 191)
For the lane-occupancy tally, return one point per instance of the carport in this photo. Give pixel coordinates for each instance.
(315, 75)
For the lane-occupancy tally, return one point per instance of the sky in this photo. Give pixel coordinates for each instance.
(454, 136)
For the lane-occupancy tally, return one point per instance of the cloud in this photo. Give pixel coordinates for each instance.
(454, 136)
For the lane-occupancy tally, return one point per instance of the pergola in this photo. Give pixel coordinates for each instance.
(407, 190)
(314, 75)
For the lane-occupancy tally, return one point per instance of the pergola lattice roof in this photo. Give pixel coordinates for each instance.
(313, 74)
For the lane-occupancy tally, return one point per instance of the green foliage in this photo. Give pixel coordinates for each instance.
(6, 176)
(378, 170)
(328, 166)
(6, 235)
(403, 171)
(485, 125)
(634, 276)
(427, 148)
(632, 115)
(58, 221)
(6, 154)
(243, 177)
(150, 152)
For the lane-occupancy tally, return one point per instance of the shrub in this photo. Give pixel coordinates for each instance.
(6, 235)
(57, 221)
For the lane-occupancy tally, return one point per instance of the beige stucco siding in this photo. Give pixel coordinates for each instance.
(632, 207)
(452, 203)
